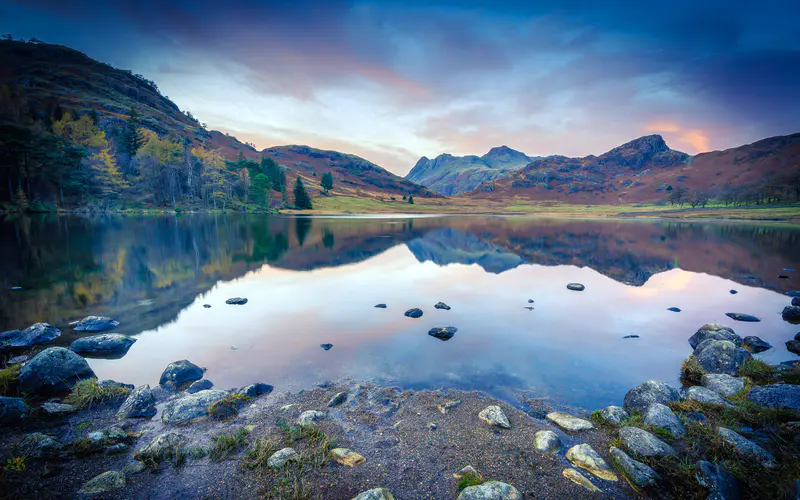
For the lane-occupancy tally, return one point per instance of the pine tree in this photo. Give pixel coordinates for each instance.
(327, 181)
(410, 200)
(132, 136)
(301, 198)
(259, 189)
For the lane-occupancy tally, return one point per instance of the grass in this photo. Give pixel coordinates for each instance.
(757, 371)
(9, 379)
(88, 393)
(691, 372)
(227, 444)
(228, 406)
(469, 479)
(258, 453)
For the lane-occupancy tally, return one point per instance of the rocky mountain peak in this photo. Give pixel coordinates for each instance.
(647, 144)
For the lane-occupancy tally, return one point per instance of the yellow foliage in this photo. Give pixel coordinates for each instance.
(80, 132)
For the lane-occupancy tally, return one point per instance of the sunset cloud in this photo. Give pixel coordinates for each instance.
(692, 141)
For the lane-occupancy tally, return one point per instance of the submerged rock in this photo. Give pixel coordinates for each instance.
(109, 344)
(443, 333)
(755, 344)
(630, 337)
(236, 301)
(375, 494)
(584, 456)
(12, 410)
(494, 415)
(704, 395)
(613, 414)
(674, 309)
(776, 396)
(569, 422)
(639, 475)
(721, 356)
(579, 479)
(36, 334)
(281, 457)
(723, 384)
(105, 482)
(413, 313)
(96, 324)
(749, 318)
(791, 314)
(662, 416)
(179, 373)
(326, 347)
(642, 443)
(747, 447)
(380, 306)
(191, 407)
(546, 441)
(54, 369)
(714, 331)
(576, 287)
(200, 385)
(140, 403)
(442, 305)
(733, 292)
(490, 490)
(207, 306)
(640, 397)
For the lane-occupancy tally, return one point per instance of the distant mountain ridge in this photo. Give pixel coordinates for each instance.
(450, 175)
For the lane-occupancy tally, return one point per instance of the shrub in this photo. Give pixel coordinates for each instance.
(9, 378)
(88, 393)
(691, 372)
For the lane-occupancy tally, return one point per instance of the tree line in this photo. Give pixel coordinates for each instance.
(769, 192)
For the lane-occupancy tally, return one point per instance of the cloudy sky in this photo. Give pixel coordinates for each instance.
(394, 80)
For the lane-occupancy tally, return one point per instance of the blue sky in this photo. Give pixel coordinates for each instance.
(392, 81)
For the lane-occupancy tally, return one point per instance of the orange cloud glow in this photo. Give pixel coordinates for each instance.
(692, 140)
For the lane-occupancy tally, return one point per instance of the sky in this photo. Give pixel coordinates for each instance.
(395, 80)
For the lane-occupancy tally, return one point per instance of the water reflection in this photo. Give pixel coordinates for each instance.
(154, 273)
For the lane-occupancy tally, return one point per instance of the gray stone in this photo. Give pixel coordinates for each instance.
(466, 471)
(237, 301)
(748, 318)
(546, 442)
(117, 449)
(140, 403)
(747, 447)
(16, 360)
(639, 475)
(791, 313)
(793, 346)
(191, 407)
(796, 301)
(584, 456)
(490, 490)
(200, 385)
(255, 390)
(443, 333)
(442, 305)
(96, 324)
(375, 494)
(720, 484)
(576, 287)
(133, 468)
(380, 306)
(720, 356)
(179, 373)
(39, 333)
(776, 396)
(494, 415)
(643, 444)
(413, 313)
(569, 422)
(723, 384)
(12, 410)
(755, 344)
(662, 416)
(640, 397)
(38, 445)
(704, 395)
(54, 409)
(54, 369)
(280, 457)
(310, 417)
(338, 399)
(613, 414)
(165, 446)
(105, 344)
(105, 482)
(579, 479)
(714, 331)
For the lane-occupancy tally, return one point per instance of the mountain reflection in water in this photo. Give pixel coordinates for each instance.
(312, 281)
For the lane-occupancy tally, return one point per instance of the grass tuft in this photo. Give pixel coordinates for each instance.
(757, 371)
(88, 393)
(224, 445)
(691, 372)
(9, 379)
(258, 453)
(469, 479)
(228, 406)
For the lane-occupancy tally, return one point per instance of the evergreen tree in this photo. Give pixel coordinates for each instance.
(410, 200)
(327, 181)
(259, 189)
(132, 136)
(301, 199)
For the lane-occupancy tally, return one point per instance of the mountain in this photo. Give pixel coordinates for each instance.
(41, 83)
(450, 175)
(646, 170)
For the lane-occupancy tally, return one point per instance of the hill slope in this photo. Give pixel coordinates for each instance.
(448, 175)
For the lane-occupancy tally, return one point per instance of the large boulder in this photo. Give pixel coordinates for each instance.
(776, 396)
(490, 490)
(714, 331)
(714, 478)
(662, 416)
(723, 384)
(747, 447)
(39, 333)
(54, 369)
(640, 397)
(96, 324)
(141, 403)
(105, 344)
(191, 407)
(644, 444)
(640, 475)
(791, 314)
(721, 356)
(180, 373)
(12, 410)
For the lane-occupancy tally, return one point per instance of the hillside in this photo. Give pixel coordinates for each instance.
(646, 170)
(449, 175)
(109, 165)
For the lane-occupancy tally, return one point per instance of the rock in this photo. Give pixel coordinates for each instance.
(630, 337)
(375, 494)
(584, 456)
(413, 313)
(722, 384)
(50, 470)
(200, 385)
(720, 484)
(776, 396)
(117, 449)
(105, 482)
(733, 292)
(755, 344)
(530, 301)
(443, 333)
(445, 407)
(696, 417)
(546, 442)
(747, 447)
(640, 397)
(165, 446)
(568, 422)
(95, 324)
(280, 457)
(743, 317)
(207, 306)
(237, 301)
(783, 277)
(108, 344)
(191, 407)
(326, 347)
(38, 445)
(644, 444)
(576, 287)
(39, 333)
(16, 360)
(466, 471)
(133, 468)
(338, 399)
(639, 475)
(54, 409)
(179, 373)
(105, 384)
(662, 416)
(54, 369)
(310, 417)
(442, 305)
(714, 331)
(579, 479)
(704, 395)
(795, 293)
(721, 356)
(255, 390)
(494, 415)
(674, 309)
(490, 490)
(347, 457)
(380, 306)
(140, 403)
(793, 346)
(613, 414)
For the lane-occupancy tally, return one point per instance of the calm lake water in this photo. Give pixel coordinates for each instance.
(313, 281)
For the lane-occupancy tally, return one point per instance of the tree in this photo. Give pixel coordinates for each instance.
(410, 200)
(132, 136)
(677, 196)
(259, 189)
(327, 181)
(301, 199)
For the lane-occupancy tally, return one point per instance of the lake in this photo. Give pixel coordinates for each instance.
(316, 280)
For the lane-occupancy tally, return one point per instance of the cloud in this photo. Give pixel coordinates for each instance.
(692, 141)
